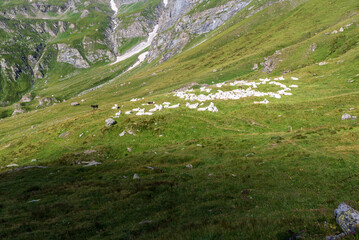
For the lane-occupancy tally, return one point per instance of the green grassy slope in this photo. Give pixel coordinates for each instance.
(258, 170)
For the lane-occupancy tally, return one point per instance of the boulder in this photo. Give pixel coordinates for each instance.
(346, 116)
(347, 218)
(75, 104)
(110, 122)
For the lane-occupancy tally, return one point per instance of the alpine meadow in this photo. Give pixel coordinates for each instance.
(179, 119)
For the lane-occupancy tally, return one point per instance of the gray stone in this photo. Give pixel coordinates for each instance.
(347, 218)
(89, 151)
(110, 122)
(12, 165)
(71, 56)
(136, 176)
(346, 116)
(313, 47)
(271, 62)
(64, 135)
(75, 104)
(85, 13)
(92, 163)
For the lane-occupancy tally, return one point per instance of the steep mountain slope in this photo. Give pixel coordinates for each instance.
(49, 44)
(248, 171)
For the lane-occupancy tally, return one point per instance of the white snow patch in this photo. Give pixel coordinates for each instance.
(114, 6)
(141, 58)
(138, 48)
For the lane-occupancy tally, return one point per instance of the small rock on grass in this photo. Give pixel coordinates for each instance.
(92, 163)
(89, 151)
(12, 165)
(189, 166)
(136, 176)
(75, 104)
(346, 116)
(110, 122)
(64, 135)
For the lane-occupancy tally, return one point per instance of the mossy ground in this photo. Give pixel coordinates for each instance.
(258, 170)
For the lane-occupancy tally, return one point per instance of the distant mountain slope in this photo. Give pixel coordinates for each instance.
(47, 43)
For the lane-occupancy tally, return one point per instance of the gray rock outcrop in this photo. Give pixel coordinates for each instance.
(26, 98)
(346, 116)
(110, 122)
(71, 56)
(347, 218)
(185, 26)
(271, 62)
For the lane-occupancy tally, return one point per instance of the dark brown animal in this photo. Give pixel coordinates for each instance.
(94, 107)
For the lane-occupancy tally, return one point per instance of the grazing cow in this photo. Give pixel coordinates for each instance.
(149, 103)
(94, 107)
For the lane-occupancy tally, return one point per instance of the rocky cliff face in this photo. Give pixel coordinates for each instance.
(39, 9)
(177, 24)
(36, 34)
(185, 26)
(67, 54)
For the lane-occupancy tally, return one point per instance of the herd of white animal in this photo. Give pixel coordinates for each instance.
(214, 93)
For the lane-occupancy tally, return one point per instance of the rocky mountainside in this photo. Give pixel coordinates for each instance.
(44, 42)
